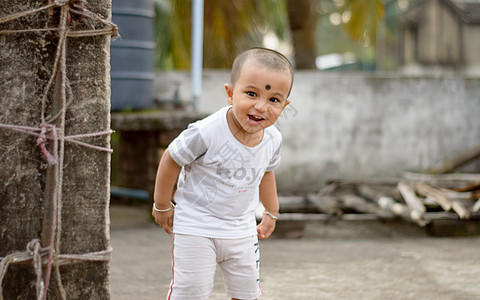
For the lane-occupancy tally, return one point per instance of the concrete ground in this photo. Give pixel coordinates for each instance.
(336, 260)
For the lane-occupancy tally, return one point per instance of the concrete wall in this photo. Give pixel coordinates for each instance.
(359, 125)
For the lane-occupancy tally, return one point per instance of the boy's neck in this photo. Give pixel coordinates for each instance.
(249, 140)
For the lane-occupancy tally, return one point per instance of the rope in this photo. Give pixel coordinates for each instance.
(56, 226)
(80, 10)
(22, 257)
(46, 131)
(36, 253)
(32, 11)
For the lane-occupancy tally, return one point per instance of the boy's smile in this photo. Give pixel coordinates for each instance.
(258, 98)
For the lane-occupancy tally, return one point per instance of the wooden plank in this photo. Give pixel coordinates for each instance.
(327, 204)
(430, 202)
(387, 204)
(296, 204)
(296, 217)
(434, 194)
(453, 227)
(370, 193)
(457, 161)
(358, 204)
(328, 189)
(470, 187)
(460, 210)
(445, 215)
(443, 197)
(410, 197)
(416, 207)
(476, 207)
(363, 181)
(455, 194)
(359, 217)
(441, 177)
(303, 217)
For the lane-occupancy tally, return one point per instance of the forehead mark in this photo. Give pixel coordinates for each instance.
(268, 87)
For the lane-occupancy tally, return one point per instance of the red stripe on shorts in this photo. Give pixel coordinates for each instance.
(173, 263)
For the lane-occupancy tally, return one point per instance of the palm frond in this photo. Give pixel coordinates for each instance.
(229, 28)
(365, 18)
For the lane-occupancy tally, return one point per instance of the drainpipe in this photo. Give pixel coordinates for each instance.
(197, 51)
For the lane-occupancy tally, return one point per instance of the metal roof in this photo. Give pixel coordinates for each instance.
(468, 10)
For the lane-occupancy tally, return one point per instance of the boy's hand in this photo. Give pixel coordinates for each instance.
(164, 219)
(266, 227)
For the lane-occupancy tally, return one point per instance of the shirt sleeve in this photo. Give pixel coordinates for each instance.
(188, 146)
(275, 161)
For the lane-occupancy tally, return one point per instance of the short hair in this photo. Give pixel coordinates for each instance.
(268, 58)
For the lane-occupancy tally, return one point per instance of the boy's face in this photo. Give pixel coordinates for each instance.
(258, 98)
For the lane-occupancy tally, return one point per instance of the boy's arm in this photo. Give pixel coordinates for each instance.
(269, 199)
(167, 174)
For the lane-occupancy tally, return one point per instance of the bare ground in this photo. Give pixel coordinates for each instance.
(339, 260)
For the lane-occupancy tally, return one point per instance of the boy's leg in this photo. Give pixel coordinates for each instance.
(193, 267)
(239, 260)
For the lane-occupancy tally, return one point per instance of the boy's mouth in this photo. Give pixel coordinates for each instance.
(255, 118)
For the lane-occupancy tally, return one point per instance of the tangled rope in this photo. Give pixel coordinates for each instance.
(52, 129)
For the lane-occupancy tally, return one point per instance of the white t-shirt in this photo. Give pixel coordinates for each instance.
(217, 190)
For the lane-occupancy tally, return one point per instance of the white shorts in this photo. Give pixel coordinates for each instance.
(195, 260)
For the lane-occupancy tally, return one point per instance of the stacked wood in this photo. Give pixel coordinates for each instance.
(418, 198)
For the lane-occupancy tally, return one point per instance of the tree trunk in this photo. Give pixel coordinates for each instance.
(302, 15)
(26, 64)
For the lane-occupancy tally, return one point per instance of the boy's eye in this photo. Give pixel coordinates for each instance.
(252, 94)
(275, 100)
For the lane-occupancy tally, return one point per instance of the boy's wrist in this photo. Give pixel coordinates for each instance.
(172, 205)
(273, 216)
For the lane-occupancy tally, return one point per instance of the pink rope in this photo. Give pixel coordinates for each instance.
(45, 132)
(42, 143)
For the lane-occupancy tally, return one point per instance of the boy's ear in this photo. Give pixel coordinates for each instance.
(286, 103)
(229, 90)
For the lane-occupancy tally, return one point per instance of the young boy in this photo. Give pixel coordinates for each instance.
(224, 165)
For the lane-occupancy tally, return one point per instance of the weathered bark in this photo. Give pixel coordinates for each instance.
(302, 15)
(26, 61)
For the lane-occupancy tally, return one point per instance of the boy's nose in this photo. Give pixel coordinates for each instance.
(261, 106)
